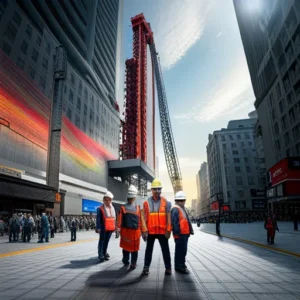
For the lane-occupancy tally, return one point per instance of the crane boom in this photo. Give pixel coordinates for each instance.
(165, 124)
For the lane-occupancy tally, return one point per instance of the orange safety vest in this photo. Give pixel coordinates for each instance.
(129, 223)
(109, 222)
(183, 221)
(157, 221)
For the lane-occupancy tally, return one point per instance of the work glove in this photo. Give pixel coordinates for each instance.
(168, 234)
(145, 236)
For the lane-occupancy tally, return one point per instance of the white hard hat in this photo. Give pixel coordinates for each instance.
(132, 192)
(180, 196)
(109, 195)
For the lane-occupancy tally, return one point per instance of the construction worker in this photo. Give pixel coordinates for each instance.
(129, 226)
(182, 229)
(105, 225)
(157, 215)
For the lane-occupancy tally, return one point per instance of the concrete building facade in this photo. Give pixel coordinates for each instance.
(233, 168)
(204, 190)
(90, 32)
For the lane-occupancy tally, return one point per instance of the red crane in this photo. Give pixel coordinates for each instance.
(134, 127)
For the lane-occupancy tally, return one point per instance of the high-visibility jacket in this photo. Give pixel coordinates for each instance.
(157, 222)
(184, 226)
(109, 221)
(129, 223)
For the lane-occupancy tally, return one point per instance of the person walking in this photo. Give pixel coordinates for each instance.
(14, 227)
(129, 226)
(157, 214)
(182, 229)
(44, 228)
(106, 225)
(271, 227)
(73, 230)
(27, 227)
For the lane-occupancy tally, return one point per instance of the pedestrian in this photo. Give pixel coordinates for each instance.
(182, 229)
(27, 227)
(157, 215)
(129, 226)
(14, 227)
(73, 230)
(271, 226)
(45, 228)
(106, 225)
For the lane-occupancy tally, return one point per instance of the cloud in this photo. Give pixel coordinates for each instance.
(177, 25)
(219, 34)
(232, 94)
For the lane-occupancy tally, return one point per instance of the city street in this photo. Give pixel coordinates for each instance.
(220, 269)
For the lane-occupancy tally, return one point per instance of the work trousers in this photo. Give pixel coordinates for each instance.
(26, 234)
(103, 243)
(181, 245)
(126, 254)
(270, 235)
(45, 234)
(12, 233)
(164, 245)
(73, 234)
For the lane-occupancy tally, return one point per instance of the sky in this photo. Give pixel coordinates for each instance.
(205, 74)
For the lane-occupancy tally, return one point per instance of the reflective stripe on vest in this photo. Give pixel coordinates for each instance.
(130, 219)
(157, 220)
(109, 222)
(183, 221)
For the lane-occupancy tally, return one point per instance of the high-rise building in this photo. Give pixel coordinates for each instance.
(194, 208)
(270, 32)
(198, 193)
(233, 168)
(204, 189)
(90, 32)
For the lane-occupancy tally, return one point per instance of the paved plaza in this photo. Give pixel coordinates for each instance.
(220, 269)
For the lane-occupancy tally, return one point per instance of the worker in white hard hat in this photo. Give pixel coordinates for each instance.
(129, 225)
(157, 214)
(105, 225)
(182, 229)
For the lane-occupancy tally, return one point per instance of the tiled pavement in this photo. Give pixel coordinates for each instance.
(220, 269)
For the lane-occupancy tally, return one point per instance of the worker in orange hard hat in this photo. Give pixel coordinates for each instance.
(182, 229)
(156, 211)
(129, 226)
(105, 225)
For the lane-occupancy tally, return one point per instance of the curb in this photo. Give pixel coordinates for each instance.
(257, 244)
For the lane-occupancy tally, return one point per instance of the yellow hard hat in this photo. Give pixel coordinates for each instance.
(156, 183)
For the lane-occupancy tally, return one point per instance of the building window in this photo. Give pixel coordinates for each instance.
(245, 159)
(247, 136)
(233, 145)
(69, 113)
(239, 180)
(292, 115)
(283, 122)
(281, 108)
(84, 126)
(85, 94)
(48, 48)
(250, 180)
(239, 136)
(29, 31)
(91, 115)
(42, 83)
(77, 121)
(228, 194)
(24, 47)
(240, 204)
(223, 138)
(97, 122)
(231, 138)
(85, 109)
(298, 149)
(92, 99)
(34, 55)
(277, 145)
(39, 40)
(296, 132)
(71, 96)
(235, 152)
(32, 72)
(224, 147)
(17, 18)
(91, 132)
(250, 143)
(248, 169)
(78, 103)
(72, 79)
(45, 63)
(6, 48)
(271, 98)
(278, 91)
(80, 86)
(236, 160)
(11, 32)
(238, 169)
(241, 193)
(243, 144)
(20, 63)
(276, 128)
(3, 5)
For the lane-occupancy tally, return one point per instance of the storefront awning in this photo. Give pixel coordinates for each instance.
(12, 187)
